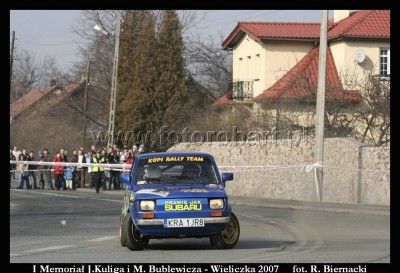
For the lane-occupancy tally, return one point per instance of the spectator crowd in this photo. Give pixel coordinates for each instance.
(58, 177)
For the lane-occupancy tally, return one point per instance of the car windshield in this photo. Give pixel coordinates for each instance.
(176, 170)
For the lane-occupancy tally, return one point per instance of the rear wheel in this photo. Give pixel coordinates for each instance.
(134, 240)
(228, 237)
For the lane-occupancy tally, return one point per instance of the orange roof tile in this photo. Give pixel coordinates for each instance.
(273, 30)
(29, 99)
(62, 96)
(36, 95)
(222, 100)
(302, 81)
(364, 23)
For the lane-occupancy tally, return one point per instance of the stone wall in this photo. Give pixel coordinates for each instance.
(376, 179)
(281, 169)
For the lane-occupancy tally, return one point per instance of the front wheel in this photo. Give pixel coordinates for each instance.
(228, 237)
(134, 240)
(122, 226)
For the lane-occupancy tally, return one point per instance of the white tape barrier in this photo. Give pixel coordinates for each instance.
(108, 167)
(127, 167)
(42, 163)
(51, 170)
(306, 167)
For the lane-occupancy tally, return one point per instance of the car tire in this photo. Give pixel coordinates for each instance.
(229, 236)
(122, 227)
(134, 240)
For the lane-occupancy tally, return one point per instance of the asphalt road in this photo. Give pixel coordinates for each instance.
(82, 227)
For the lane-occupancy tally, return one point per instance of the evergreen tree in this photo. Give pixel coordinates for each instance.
(127, 47)
(151, 77)
(137, 75)
(171, 92)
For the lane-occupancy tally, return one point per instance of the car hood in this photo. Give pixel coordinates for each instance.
(168, 191)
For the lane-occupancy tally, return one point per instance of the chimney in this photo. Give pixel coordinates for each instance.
(340, 15)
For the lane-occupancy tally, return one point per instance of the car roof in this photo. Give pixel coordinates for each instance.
(163, 154)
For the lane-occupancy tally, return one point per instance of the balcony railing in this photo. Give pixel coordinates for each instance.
(241, 89)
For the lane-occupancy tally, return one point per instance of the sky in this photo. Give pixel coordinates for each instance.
(49, 32)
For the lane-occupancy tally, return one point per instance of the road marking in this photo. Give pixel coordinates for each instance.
(57, 247)
(103, 199)
(105, 238)
(72, 196)
(48, 248)
(59, 194)
(41, 250)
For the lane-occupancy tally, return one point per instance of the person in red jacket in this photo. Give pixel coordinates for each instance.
(58, 172)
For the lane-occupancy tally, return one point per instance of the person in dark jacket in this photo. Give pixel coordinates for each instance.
(47, 170)
(12, 166)
(64, 157)
(113, 182)
(39, 173)
(32, 171)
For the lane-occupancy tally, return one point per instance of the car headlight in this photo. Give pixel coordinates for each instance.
(147, 205)
(216, 203)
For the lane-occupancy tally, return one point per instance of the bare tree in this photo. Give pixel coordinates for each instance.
(99, 46)
(54, 73)
(369, 122)
(209, 64)
(27, 73)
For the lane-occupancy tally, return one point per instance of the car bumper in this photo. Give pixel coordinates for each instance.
(160, 222)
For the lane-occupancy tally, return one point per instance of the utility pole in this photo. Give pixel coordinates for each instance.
(111, 116)
(12, 56)
(320, 111)
(85, 101)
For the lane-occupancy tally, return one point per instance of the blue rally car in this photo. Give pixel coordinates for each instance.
(176, 195)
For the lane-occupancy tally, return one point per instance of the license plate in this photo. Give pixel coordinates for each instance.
(184, 222)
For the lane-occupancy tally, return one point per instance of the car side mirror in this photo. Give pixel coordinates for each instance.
(124, 179)
(227, 177)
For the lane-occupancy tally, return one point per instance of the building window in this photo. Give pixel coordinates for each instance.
(257, 66)
(240, 66)
(385, 62)
(249, 67)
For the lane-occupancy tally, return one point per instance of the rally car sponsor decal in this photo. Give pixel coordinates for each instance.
(176, 159)
(194, 190)
(154, 191)
(182, 205)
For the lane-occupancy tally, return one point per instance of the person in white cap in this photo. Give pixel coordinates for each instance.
(141, 149)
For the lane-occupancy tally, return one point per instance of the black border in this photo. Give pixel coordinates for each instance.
(5, 16)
